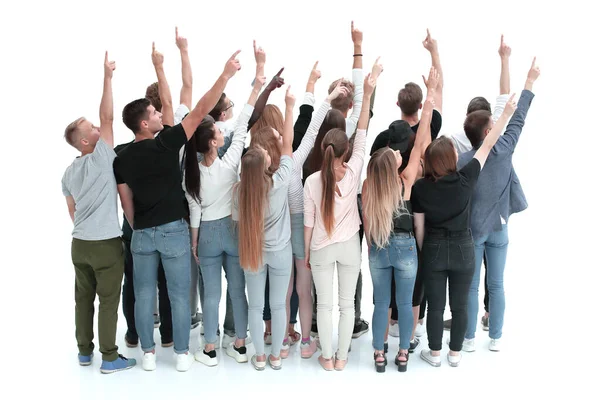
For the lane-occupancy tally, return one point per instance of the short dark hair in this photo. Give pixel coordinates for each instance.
(440, 159)
(475, 125)
(410, 98)
(153, 95)
(135, 112)
(479, 103)
(218, 108)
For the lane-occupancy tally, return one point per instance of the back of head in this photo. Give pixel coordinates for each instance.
(334, 145)
(399, 136)
(253, 190)
(153, 95)
(334, 119)
(73, 134)
(270, 117)
(478, 103)
(219, 108)
(134, 113)
(476, 125)
(440, 159)
(410, 98)
(383, 201)
(265, 138)
(342, 103)
(198, 143)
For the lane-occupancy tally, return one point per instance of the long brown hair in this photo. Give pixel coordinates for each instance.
(265, 138)
(253, 190)
(271, 116)
(440, 159)
(335, 145)
(333, 119)
(198, 143)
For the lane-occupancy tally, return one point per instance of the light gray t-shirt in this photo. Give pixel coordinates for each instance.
(277, 218)
(91, 182)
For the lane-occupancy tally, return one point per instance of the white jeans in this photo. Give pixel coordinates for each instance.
(347, 255)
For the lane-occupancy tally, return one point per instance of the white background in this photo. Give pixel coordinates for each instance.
(52, 55)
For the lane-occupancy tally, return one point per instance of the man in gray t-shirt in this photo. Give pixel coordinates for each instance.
(90, 189)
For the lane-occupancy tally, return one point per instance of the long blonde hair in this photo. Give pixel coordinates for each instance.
(383, 201)
(253, 190)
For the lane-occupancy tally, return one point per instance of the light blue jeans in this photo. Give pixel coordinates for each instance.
(218, 247)
(398, 258)
(495, 246)
(169, 243)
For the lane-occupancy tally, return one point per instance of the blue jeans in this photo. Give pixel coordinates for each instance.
(169, 243)
(400, 259)
(495, 246)
(218, 247)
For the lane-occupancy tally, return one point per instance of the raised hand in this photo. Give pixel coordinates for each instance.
(157, 58)
(109, 66)
(511, 106)
(377, 69)
(369, 86)
(357, 35)
(429, 43)
(504, 49)
(315, 74)
(180, 41)
(338, 91)
(259, 54)
(432, 81)
(259, 82)
(534, 72)
(290, 100)
(276, 82)
(232, 66)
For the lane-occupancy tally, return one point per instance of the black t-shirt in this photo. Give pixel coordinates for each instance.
(151, 169)
(435, 125)
(447, 202)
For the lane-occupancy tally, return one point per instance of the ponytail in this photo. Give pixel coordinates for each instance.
(198, 143)
(334, 146)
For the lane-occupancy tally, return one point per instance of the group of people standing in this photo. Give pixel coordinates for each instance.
(283, 214)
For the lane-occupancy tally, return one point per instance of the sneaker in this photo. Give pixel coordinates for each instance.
(394, 330)
(426, 355)
(495, 345)
(130, 343)
(238, 354)
(258, 365)
(285, 349)
(227, 340)
(360, 328)
(156, 321)
(454, 360)
(308, 349)
(448, 324)
(268, 339)
(196, 319)
(184, 361)
(120, 364)
(327, 364)
(340, 364)
(314, 331)
(275, 364)
(469, 345)
(420, 330)
(84, 361)
(149, 361)
(485, 323)
(209, 359)
(414, 344)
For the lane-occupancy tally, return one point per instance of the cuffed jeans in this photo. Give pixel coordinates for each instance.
(169, 243)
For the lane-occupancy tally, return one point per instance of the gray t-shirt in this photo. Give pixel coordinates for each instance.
(277, 218)
(91, 182)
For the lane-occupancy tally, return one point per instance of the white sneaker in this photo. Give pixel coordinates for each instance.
(258, 365)
(495, 345)
(421, 329)
(184, 361)
(454, 360)
(209, 359)
(469, 345)
(149, 361)
(227, 340)
(240, 355)
(426, 355)
(394, 330)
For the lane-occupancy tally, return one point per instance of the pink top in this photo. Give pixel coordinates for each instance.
(345, 207)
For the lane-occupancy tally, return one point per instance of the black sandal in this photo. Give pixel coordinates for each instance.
(380, 365)
(402, 365)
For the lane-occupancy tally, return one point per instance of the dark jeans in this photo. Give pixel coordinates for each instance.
(448, 259)
(164, 305)
(294, 302)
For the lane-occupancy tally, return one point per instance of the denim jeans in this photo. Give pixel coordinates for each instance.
(294, 303)
(495, 246)
(169, 243)
(218, 248)
(397, 259)
(448, 260)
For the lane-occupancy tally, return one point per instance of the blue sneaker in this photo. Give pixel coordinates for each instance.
(85, 360)
(120, 364)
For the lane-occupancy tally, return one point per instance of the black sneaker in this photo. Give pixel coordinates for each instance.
(196, 320)
(205, 358)
(360, 328)
(238, 354)
(156, 321)
(447, 324)
(413, 345)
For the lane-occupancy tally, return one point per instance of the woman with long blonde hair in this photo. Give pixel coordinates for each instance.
(387, 217)
(261, 208)
(331, 224)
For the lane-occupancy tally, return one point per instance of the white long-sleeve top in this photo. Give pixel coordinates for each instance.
(296, 190)
(216, 181)
(352, 120)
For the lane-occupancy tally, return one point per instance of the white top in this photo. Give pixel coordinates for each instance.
(216, 181)
(226, 127)
(296, 191)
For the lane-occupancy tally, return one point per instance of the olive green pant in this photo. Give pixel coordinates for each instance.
(99, 268)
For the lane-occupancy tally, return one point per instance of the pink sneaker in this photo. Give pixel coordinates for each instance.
(308, 349)
(285, 350)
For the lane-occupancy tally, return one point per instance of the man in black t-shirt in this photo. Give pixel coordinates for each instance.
(149, 183)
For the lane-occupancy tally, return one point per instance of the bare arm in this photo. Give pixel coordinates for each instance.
(163, 88)
(364, 196)
(431, 45)
(209, 100)
(419, 223)
(357, 38)
(71, 206)
(308, 232)
(185, 96)
(126, 196)
(504, 52)
(106, 104)
(288, 127)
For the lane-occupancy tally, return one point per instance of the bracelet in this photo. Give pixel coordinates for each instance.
(357, 55)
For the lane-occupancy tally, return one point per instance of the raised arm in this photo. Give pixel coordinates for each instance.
(106, 104)
(431, 45)
(164, 92)
(263, 99)
(504, 52)
(307, 108)
(357, 80)
(356, 161)
(288, 127)
(492, 137)
(126, 196)
(209, 100)
(185, 96)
